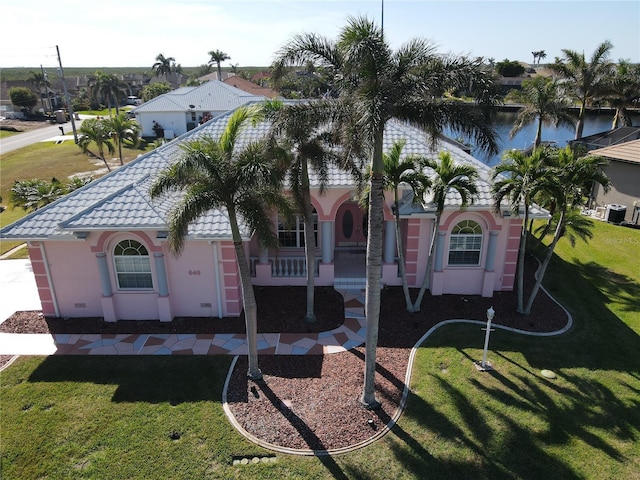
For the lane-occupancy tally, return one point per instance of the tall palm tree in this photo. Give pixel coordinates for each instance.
(163, 65)
(623, 91)
(303, 143)
(108, 86)
(123, 128)
(217, 57)
(96, 131)
(219, 174)
(517, 179)
(400, 172)
(542, 103)
(38, 80)
(584, 79)
(374, 84)
(448, 177)
(566, 180)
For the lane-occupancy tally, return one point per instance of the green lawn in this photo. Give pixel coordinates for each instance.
(46, 160)
(106, 417)
(6, 133)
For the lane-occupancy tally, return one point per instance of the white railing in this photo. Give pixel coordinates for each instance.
(286, 266)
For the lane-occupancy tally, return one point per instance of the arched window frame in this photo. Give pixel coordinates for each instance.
(132, 265)
(292, 236)
(465, 244)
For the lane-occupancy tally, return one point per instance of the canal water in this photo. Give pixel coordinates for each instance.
(594, 123)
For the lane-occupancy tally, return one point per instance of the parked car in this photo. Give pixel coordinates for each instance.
(133, 100)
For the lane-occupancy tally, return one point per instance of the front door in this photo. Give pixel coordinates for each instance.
(351, 226)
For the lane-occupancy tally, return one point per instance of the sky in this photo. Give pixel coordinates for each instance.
(127, 33)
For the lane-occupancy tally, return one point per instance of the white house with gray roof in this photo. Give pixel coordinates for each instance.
(102, 250)
(183, 109)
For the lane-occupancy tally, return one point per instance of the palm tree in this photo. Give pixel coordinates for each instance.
(518, 178)
(566, 180)
(303, 144)
(217, 57)
(584, 79)
(375, 84)
(448, 177)
(214, 174)
(33, 194)
(397, 173)
(123, 128)
(623, 91)
(96, 131)
(542, 103)
(39, 80)
(541, 56)
(109, 86)
(162, 65)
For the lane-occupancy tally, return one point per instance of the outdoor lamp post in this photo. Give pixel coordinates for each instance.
(490, 314)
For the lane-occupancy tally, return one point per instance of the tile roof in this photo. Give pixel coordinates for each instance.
(211, 96)
(628, 151)
(120, 200)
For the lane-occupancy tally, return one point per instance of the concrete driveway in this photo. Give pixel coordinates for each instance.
(18, 290)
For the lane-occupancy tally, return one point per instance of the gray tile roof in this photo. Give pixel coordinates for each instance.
(212, 96)
(121, 201)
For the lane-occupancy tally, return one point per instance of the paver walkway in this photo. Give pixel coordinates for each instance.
(349, 335)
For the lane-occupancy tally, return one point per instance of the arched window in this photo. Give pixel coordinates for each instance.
(292, 235)
(466, 243)
(132, 265)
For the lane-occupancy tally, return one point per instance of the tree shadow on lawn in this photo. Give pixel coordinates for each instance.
(150, 379)
(612, 286)
(489, 454)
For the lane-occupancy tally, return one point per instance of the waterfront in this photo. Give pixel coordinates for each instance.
(594, 123)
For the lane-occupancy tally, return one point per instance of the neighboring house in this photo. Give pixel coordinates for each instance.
(181, 110)
(624, 172)
(214, 76)
(250, 87)
(102, 250)
(621, 147)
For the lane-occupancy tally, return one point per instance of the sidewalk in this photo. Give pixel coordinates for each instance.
(349, 335)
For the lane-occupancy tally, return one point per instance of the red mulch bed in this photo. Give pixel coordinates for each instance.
(311, 402)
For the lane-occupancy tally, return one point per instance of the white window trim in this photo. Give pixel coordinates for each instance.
(466, 237)
(117, 272)
(298, 230)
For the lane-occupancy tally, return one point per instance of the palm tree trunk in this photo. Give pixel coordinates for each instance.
(120, 150)
(101, 157)
(427, 273)
(545, 264)
(219, 72)
(521, 254)
(374, 272)
(309, 244)
(538, 139)
(401, 265)
(580, 123)
(248, 299)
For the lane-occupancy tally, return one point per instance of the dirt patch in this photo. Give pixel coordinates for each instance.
(23, 125)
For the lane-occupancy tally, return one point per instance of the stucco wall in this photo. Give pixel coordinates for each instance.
(625, 186)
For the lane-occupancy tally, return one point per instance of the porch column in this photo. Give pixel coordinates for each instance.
(264, 255)
(161, 274)
(491, 251)
(439, 251)
(105, 280)
(327, 242)
(390, 241)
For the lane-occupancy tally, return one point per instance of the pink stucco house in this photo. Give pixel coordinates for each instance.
(102, 250)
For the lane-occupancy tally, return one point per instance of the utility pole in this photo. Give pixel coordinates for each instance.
(66, 95)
